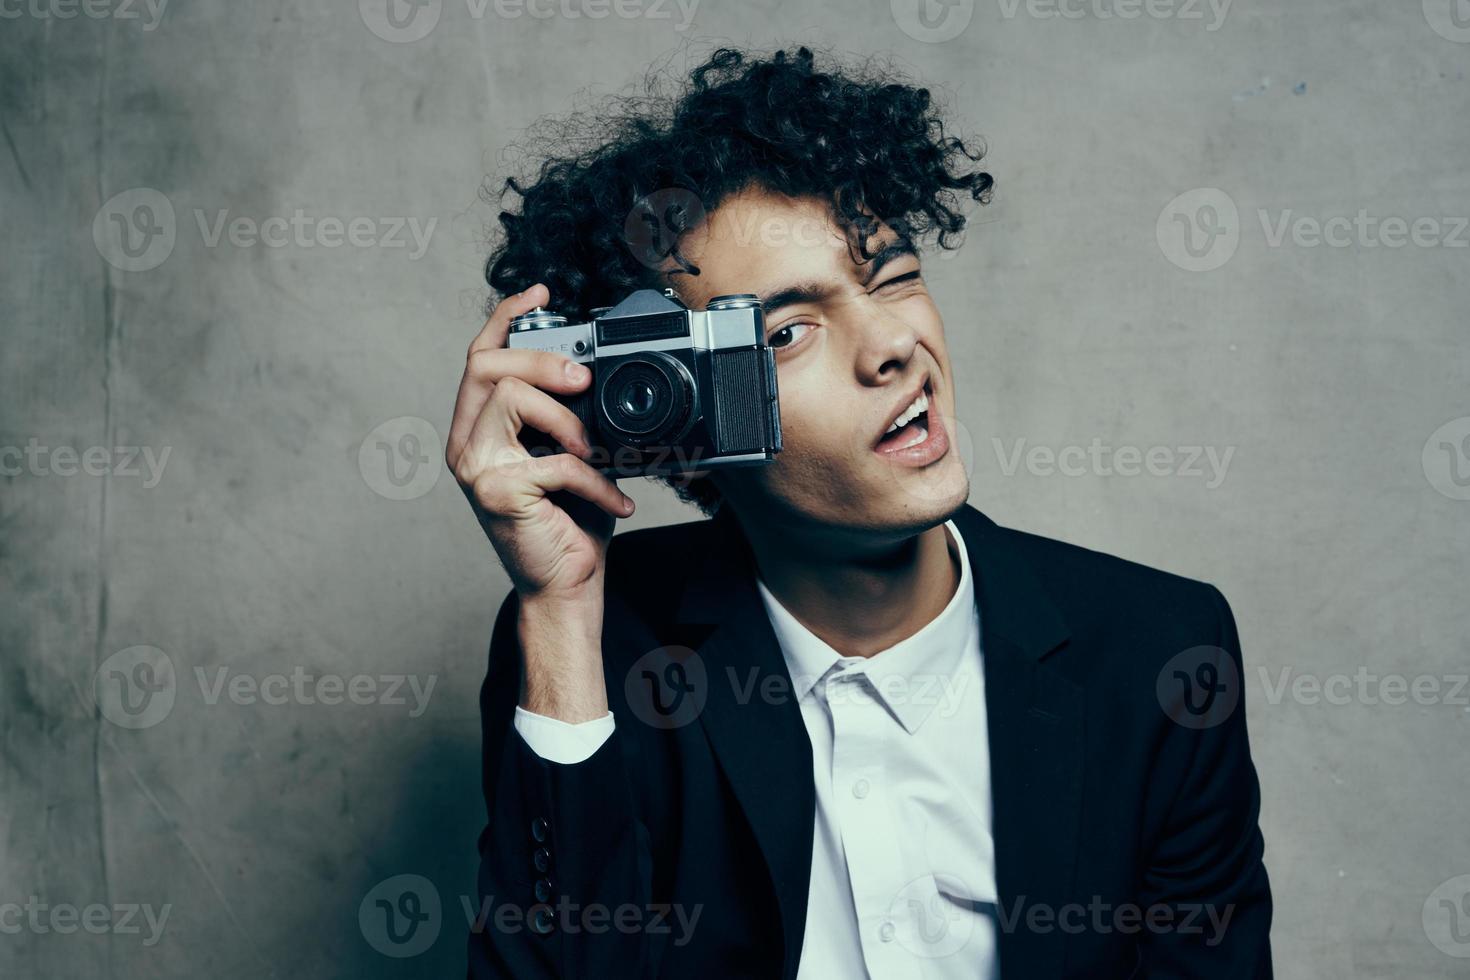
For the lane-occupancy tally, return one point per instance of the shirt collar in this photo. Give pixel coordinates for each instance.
(903, 677)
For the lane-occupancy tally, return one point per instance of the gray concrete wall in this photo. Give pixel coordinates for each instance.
(272, 540)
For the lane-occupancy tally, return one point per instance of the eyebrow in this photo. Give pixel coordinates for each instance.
(812, 291)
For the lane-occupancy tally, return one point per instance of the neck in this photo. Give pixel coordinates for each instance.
(859, 593)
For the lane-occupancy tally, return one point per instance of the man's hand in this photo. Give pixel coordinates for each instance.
(549, 518)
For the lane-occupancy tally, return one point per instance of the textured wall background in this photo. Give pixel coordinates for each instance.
(289, 532)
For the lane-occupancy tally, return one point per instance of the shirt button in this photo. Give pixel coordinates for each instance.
(886, 931)
(860, 788)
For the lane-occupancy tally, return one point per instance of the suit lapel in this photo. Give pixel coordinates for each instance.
(1035, 724)
(760, 741)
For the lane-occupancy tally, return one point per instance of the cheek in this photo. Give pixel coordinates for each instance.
(819, 428)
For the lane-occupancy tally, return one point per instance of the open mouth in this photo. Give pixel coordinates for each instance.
(911, 427)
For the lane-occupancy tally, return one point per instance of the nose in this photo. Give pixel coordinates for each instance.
(886, 344)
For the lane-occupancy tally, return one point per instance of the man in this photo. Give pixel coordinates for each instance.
(848, 726)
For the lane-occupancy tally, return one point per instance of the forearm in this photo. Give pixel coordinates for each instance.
(561, 641)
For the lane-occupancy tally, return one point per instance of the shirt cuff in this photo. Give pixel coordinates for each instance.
(558, 741)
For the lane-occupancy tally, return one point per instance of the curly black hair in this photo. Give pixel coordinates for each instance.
(862, 139)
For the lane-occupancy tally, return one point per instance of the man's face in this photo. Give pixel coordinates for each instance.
(854, 344)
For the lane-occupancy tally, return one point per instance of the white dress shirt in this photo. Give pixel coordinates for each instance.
(903, 864)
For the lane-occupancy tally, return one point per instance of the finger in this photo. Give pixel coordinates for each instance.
(488, 367)
(492, 335)
(497, 325)
(551, 473)
(513, 405)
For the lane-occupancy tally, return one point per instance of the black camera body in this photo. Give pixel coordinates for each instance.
(672, 389)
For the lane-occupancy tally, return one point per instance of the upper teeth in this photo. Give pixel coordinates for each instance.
(920, 405)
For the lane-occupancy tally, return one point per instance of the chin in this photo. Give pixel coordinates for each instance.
(928, 496)
(904, 511)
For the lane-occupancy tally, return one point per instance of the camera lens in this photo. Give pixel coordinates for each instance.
(646, 399)
(638, 399)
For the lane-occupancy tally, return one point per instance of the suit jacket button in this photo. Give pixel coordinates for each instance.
(542, 859)
(543, 889)
(541, 920)
(540, 830)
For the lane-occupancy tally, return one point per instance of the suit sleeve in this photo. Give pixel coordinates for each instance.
(1206, 881)
(562, 851)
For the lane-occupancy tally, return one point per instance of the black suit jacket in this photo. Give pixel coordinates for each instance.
(1125, 800)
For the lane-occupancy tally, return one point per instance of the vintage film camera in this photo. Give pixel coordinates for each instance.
(672, 389)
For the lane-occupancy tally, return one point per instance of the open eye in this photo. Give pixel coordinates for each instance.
(782, 337)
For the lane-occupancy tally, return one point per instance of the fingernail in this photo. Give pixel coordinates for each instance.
(575, 371)
(627, 504)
